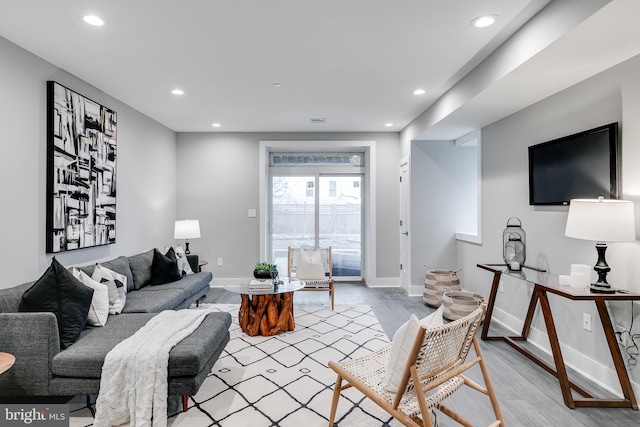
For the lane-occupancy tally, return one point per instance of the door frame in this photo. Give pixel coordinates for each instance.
(405, 226)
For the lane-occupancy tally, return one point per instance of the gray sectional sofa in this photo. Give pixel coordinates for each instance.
(43, 369)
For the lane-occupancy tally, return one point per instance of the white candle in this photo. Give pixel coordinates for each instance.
(515, 265)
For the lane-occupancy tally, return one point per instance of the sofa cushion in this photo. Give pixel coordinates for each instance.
(120, 265)
(191, 284)
(85, 359)
(153, 302)
(140, 265)
(164, 268)
(58, 292)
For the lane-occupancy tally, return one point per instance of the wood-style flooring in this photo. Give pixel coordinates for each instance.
(528, 395)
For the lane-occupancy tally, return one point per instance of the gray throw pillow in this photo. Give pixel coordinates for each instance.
(140, 265)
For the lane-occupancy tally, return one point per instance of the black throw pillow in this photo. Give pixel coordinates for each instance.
(58, 292)
(164, 268)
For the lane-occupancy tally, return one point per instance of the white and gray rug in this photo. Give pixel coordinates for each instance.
(284, 380)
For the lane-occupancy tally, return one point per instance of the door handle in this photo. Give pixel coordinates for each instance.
(406, 233)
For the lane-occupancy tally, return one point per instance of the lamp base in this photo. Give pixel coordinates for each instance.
(602, 288)
(186, 247)
(602, 268)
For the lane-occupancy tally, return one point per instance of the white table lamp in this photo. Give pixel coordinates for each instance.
(187, 229)
(603, 221)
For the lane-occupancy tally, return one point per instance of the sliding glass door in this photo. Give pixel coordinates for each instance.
(318, 210)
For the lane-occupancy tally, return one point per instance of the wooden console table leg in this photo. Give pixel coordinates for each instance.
(492, 299)
(561, 370)
(618, 362)
(529, 316)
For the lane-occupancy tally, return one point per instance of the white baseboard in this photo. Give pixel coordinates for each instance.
(415, 291)
(603, 375)
(384, 282)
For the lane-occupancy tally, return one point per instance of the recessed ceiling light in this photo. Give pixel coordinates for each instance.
(419, 92)
(388, 124)
(484, 21)
(278, 85)
(216, 125)
(177, 92)
(93, 20)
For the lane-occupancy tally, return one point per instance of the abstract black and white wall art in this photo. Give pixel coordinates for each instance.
(81, 171)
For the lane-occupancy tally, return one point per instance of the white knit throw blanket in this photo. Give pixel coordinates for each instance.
(134, 382)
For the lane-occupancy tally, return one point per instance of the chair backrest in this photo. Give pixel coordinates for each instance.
(437, 351)
(294, 257)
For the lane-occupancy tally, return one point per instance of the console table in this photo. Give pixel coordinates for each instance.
(544, 283)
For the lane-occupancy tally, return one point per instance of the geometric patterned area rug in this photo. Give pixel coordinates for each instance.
(284, 380)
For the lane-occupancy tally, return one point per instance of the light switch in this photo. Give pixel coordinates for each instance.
(252, 213)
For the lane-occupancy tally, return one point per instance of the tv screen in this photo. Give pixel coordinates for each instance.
(580, 166)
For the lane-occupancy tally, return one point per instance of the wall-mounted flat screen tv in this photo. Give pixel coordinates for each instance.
(580, 166)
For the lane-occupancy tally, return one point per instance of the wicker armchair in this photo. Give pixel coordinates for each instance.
(316, 284)
(434, 369)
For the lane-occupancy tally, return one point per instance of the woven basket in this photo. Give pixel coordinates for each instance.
(458, 304)
(437, 283)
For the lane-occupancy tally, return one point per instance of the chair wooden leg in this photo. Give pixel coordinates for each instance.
(334, 402)
(488, 383)
(331, 292)
(185, 403)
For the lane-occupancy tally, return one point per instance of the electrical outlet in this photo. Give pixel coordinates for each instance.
(501, 286)
(586, 322)
(219, 262)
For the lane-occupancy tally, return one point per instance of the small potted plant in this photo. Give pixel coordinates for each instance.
(265, 270)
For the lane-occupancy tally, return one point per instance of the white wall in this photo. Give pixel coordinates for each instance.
(218, 181)
(608, 97)
(145, 174)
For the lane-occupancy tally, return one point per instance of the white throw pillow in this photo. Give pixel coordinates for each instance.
(183, 263)
(310, 268)
(401, 347)
(99, 309)
(117, 284)
(433, 320)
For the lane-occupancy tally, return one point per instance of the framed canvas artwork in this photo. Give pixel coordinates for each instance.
(81, 171)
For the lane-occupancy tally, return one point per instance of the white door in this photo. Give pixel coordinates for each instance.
(405, 238)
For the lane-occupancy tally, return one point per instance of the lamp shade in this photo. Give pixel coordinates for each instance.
(187, 229)
(601, 220)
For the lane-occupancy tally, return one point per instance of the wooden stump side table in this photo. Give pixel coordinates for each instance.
(265, 312)
(6, 362)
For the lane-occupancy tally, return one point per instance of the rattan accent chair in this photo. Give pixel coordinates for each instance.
(325, 284)
(433, 372)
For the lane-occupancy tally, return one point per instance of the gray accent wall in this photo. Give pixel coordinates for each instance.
(146, 171)
(218, 181)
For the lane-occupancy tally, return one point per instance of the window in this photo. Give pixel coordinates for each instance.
(332, 189)
(469, 200)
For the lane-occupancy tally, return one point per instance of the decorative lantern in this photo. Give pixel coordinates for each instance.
(514, 244)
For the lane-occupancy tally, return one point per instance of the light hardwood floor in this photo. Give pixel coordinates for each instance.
(528, 395)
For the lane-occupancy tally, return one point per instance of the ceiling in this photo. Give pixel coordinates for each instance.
(354, 63)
